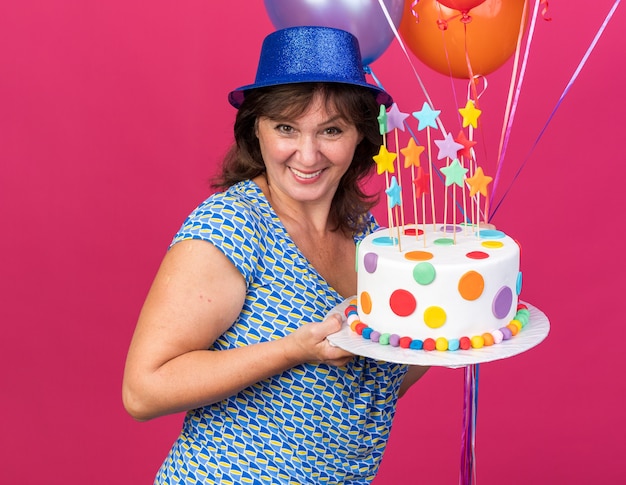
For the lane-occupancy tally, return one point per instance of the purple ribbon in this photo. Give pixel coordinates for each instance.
(467, 473)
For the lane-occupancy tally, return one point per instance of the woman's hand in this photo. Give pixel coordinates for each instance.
(309, 343)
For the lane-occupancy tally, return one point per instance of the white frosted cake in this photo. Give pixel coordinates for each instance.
(457, 289)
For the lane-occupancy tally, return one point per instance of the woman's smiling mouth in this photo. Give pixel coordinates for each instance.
(305, 175)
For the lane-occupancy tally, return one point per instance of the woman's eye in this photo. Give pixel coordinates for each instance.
(333, 131)
(284, 129)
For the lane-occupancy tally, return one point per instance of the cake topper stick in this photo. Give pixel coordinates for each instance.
(398, 231)
(395, 122)
(421, 183)
(384, 160)
(389, 209)
(478, 213)
(424, 219)
(478, 185)
(464, 195)
(395, 199)
(445, 200)
(475, 203)
(412, 154)
(449, 149)
(486, 213)
(430, 177)
(384, 164)
(470, 112)
(455, 175)
(454, 214)
(399, 175)
(475, 218)
(464, 192)
(467, 153)
(427, 118)
(415, 216)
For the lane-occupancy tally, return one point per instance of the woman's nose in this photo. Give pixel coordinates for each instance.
(308, 148)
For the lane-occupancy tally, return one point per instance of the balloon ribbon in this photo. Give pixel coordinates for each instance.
(570, 83)
(467, 474)
(512, 101)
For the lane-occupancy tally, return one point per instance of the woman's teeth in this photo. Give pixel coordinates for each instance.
(305, 175)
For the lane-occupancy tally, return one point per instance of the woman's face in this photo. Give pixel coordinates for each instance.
(306, 157)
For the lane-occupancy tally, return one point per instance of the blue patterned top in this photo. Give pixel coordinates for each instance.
(311, 424)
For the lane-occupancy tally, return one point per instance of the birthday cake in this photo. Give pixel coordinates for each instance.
(448, 288)
(436, 286)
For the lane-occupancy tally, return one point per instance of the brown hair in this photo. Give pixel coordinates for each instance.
(356, 104)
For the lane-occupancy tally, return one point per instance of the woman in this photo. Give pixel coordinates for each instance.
(233, 330)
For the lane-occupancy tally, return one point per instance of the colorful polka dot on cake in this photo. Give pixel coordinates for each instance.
(402, 303)
(424, 273)
(471, 285)
(434, 317)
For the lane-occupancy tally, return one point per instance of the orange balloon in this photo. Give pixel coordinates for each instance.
(440, 37)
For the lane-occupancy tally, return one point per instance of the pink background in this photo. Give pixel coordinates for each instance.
(112, 117)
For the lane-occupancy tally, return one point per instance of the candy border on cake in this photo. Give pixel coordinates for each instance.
(487, 339)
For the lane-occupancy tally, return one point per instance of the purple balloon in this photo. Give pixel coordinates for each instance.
(365, 19)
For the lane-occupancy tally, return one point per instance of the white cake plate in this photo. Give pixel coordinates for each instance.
(531, 335)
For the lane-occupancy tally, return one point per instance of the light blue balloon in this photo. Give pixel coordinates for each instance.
(365, 19)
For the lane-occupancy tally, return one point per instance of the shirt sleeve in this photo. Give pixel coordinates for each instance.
(229, 224)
